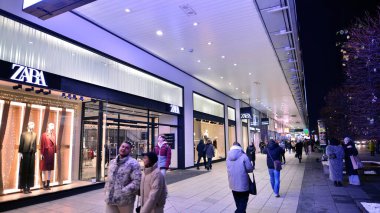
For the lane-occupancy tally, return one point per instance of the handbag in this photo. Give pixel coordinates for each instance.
(252, 185)
(356, 162)
(276, 163)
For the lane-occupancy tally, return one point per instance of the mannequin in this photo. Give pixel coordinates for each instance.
(27, 151)
(48, 150)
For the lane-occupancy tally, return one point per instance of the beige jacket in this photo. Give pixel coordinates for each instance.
(153, 190)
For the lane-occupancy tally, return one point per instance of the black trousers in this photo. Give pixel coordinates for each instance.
(241, 201)
(26, 173)
(199, 159)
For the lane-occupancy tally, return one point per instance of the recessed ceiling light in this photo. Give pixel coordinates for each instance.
(236, 88)
(209, 43)
(242, 92)
(230, 83)
(209, 68)
(195, 24)
(249, 73)
(199, 61)
(159, 33)
(235, 65)
(127, 10)
(30, 42)
(182, 49)
(223, 56)
(221, 77)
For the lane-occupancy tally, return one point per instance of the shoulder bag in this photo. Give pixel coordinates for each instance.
(277, 163)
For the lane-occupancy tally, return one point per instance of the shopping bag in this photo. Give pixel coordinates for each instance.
(356, 162)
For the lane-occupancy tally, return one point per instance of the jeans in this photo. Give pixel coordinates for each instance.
(199, 159)
(275, 180)
(241, 201)
(209, 163)
(163, 172)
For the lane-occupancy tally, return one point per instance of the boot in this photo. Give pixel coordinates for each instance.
(48, 185)
(29, 191)
(44, 183)
(25, 190)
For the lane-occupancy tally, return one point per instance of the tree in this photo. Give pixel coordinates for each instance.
(361, 63)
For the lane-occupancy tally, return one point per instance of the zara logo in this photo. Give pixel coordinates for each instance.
(245, 116)
(28, 75)
(174, 109)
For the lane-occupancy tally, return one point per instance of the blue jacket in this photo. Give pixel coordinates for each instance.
(238, 167)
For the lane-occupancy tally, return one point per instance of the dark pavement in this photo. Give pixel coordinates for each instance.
(318, 193)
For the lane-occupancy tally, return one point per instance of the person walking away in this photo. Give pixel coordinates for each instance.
(164, 153)
(306, 146)
(210, 153)
(288, 146)
(274, 152)
(238, 168)
(371, 146)
(335, 154)
(153, 190)
(299, 146)
(350, 150)
(123, 182)
(201, 151)
(251, 153)
(282, 145)
(262, 147)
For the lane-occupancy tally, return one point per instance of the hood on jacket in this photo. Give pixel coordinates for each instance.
(234, 153)
(272, 145)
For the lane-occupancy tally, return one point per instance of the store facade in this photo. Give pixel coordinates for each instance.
(209, 122)
(64, 111)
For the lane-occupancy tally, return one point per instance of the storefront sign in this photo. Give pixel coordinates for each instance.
(170, 140)
(246, 113)
(264, 121)
(28, 75)
(174, 109)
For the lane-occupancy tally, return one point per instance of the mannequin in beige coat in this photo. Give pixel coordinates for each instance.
(153, 189)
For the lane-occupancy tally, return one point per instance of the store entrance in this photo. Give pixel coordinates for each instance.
(106, 126)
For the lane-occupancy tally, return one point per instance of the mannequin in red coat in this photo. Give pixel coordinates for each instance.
(48, 150)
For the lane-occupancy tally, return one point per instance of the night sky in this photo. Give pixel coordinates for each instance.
(319, 20)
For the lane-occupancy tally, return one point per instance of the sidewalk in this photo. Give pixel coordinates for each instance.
(207, 192)
(318, 193)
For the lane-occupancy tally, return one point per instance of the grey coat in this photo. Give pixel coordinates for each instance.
(335, 165)
(238, 167)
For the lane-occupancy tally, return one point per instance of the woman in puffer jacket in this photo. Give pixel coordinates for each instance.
(153, 188)
(123, 182)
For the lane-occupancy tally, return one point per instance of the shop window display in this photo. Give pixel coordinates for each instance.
(212, 130)
(36, 136)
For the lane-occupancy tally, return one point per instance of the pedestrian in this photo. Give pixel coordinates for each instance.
(261, 146)
(282, 145)
(288, 146)
(251, 153)
(377, 146)
(350, 150)
(153, 190)
(238, 168)
(306, 146)
(371, 146)
(274, 152)
(201, 151)
(123, 181)
(299, 146)
(335, 154)
(164, 153)
(210, 153)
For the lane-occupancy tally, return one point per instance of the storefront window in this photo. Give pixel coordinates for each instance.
(38, 138)
(213, 131)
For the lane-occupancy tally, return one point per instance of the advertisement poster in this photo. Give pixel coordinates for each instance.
(322, 132)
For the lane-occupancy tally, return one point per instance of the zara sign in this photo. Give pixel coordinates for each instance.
(28, 75)
(174, 109)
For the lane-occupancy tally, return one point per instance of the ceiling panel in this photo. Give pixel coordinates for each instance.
(249, 68)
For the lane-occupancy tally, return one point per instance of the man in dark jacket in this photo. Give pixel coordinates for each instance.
(251, 150)
(299, 146)
(210, 153)
(274, 152)
(201, 151)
